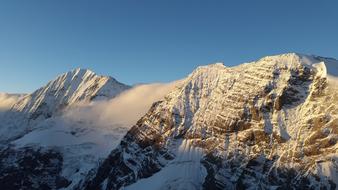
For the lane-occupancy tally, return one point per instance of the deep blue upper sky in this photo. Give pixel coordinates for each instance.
(153, 41)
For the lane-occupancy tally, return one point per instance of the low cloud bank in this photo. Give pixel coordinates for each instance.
(123, 110)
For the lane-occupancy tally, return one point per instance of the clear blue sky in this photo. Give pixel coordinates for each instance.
(153, 41)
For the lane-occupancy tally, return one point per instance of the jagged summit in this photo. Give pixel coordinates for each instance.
(69, 88)
(78, 69)
(81, 70)
(331, 64)
(82, 73)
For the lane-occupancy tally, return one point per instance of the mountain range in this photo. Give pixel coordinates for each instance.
(267, 124)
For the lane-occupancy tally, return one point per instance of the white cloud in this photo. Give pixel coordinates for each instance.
(124, 110)
(8, 100)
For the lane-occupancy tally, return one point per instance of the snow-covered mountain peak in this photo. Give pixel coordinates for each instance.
(79, 69)
(74, 75)
(67, 89)
(303, 59)
(288, 59)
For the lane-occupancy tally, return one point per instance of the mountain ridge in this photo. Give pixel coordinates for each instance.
(251, 120)
(266, 124)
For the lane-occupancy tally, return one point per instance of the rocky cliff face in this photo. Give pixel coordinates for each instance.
(261, 125)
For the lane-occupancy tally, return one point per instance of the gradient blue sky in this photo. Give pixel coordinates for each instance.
(153, 41)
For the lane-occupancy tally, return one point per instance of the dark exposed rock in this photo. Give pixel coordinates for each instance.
(31, 168)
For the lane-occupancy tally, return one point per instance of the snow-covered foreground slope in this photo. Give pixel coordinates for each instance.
(81, 144)
(263, 125)
(184, 172)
